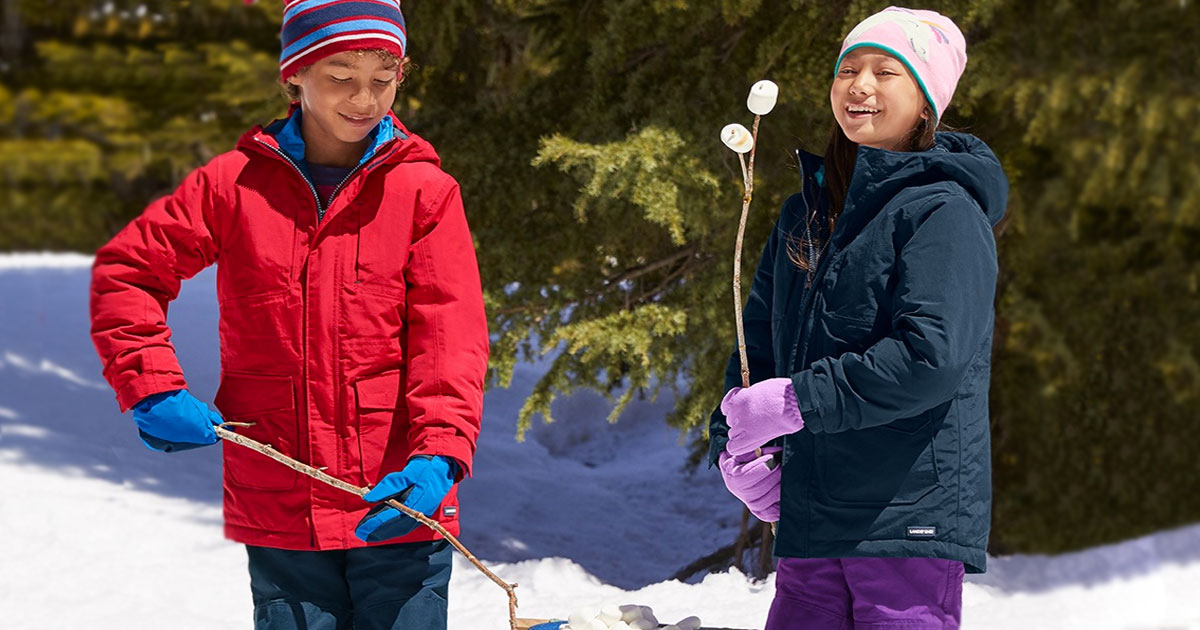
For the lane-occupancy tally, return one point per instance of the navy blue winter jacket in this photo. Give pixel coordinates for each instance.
(888, 345)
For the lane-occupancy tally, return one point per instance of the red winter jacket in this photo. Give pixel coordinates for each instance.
(352, 345)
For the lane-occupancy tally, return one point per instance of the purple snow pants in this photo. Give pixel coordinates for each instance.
(867, 594)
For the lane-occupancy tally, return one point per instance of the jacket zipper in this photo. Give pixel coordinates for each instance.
(807, 219)
(351, 174)
(814, 256)
(338, 188)
(287, 158)
(818, 272)
(321, 208)
(312, 529)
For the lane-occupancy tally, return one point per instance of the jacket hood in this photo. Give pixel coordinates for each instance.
(397, 144)
(956, 157)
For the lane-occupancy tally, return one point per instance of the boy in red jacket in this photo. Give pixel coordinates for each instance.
(352, 331)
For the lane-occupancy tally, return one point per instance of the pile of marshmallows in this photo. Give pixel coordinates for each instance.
(628, 617)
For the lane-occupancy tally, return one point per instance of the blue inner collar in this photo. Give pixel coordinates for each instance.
(291, 141)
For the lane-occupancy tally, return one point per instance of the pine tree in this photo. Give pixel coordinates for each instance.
(604, 205)
(104, 107)
(621, 263)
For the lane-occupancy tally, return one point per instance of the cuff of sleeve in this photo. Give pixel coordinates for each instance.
(807, 401)
(718, 436)
(459, 453)
(145, 385)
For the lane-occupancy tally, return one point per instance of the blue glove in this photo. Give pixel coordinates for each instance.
(175, 421)
(421, 486)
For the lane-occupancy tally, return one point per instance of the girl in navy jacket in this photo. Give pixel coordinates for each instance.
(869, 333)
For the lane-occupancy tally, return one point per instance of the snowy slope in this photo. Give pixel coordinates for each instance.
(100, 532)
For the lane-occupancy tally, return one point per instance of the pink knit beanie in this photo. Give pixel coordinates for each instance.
(932, 47)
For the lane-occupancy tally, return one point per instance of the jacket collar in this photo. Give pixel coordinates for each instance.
(286, 132)
(880, 174)
(961, 158)
(812, 169)
(404, 146)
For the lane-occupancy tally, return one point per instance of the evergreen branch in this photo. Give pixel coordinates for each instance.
(678, 273)
(641, 270)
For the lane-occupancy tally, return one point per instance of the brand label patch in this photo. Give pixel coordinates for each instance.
(922, 531)
(449, 510)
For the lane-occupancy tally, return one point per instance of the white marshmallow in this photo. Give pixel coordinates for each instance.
(610, 614)
(580, 618)
(631, 613)
(737, 137)
(763, 96)
(690, 623)
(620, 625)
(644, 624)
(596, 624)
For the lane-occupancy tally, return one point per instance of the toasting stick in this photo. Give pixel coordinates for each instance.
(762, 99)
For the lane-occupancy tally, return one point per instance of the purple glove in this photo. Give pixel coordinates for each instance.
(760, 413)
(754, 482)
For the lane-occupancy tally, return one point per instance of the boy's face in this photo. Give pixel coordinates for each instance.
(343, 97)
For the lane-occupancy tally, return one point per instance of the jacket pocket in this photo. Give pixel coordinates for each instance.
(892, 464)
(848, 334)
(380, 414)
(269, 402)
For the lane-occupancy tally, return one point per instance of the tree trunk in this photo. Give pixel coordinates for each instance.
(765, 559)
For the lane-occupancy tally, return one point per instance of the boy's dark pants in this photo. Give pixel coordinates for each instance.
(373, 588)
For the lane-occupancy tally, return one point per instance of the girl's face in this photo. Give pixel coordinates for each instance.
(875, 99)
(343, 97)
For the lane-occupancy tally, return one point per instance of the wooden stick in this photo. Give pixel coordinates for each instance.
(318, 474)
(748, 184)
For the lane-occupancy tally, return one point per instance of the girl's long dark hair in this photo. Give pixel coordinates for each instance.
(840, 155)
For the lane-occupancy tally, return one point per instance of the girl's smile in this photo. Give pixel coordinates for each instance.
(860, 112)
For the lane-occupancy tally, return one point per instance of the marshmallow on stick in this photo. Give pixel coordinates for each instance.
(761, 100)
(763, 96)
(737, 138)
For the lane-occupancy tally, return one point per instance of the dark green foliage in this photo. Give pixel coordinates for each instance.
(604, 206)
(104, 106)
(1096, 387)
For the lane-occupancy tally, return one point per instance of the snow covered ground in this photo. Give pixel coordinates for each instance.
(96, 531)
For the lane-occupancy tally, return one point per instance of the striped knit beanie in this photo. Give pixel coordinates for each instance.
(313, 29)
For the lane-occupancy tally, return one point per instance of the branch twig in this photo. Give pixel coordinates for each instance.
(748, 182)
(319, 475)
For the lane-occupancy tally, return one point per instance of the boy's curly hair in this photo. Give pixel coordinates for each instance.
(403, 66)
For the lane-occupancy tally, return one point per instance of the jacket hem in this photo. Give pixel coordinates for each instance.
(303, 541)
(974, 560)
